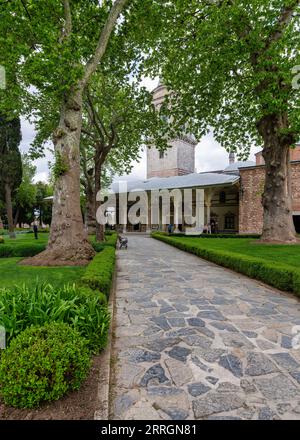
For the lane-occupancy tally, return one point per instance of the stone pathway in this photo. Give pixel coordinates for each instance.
(196, 341)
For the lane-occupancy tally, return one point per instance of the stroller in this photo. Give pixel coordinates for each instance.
(123, 242)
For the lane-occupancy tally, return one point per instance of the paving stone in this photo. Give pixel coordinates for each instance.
(233, 364)
(236, 340)
(179, 353)
(277, 388)
(181, 332)
(259, 364)
(161, 321)
(223, 418)
(164, 391)
(197, 389)
(251, 335)
(176, 414)
(200, 364)
(213, 380)
(144, 356)
(224, 326)
(156, 372)
(211, 355)
(125, 401)
(176, 322)
(162, 343)
(205, 331)
(179, 372)
(214, 316)
(214, 402)
(196, 340)
(267, 414)
(286, 342)
(285, 360)
(296, 376)
(265, 345)
(248, 386)
(228, 387)
(196, 322)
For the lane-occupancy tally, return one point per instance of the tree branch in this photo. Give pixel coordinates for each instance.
(91, 66)
(284, 20)
(67, 29)
(68, 17)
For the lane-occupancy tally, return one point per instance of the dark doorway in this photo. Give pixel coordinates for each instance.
(137, 227)
(297, 223)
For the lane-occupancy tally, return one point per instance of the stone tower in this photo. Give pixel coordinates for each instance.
(179, 159)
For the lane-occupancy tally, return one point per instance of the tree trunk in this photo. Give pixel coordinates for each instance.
(16, 217)
(278, 223)
(68, 242)
(9, 211)
(90, 210)
(100, 229)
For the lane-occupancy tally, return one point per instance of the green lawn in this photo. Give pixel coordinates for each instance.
(26, 239)
(12, 274)
(289, 255)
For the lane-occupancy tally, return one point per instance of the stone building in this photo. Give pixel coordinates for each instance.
(232, 197)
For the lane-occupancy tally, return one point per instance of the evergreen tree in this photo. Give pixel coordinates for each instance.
(10, 164)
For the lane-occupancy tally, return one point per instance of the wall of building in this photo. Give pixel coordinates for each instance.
(295, 156)
(178, 160)
(252, 187)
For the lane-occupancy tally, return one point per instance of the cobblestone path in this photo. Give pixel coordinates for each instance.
(196, 341)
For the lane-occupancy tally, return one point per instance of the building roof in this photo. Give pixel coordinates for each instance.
(187, 181)
(236, 165)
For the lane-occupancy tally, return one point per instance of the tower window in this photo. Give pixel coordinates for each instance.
(161, 154)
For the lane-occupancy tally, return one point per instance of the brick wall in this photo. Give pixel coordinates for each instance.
(252, 184)
(295, 156)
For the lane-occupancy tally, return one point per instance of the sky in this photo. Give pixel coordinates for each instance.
(210, 155)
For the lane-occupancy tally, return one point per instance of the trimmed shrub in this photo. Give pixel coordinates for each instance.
(2, 240)
(98, 247)
(43, 364)
(281, 276)
(85, 290)
(21, 307)
(99, 273)
(254, 236)
(21, 250)
(111, 239)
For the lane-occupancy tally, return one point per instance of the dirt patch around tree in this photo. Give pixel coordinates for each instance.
(78, 405)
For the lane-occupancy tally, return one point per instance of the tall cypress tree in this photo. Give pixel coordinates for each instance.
(10, 164)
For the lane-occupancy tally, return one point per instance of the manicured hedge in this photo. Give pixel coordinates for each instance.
(21, 250)
(254, 236)
(279, 275)
(99, 273)
(43, 364)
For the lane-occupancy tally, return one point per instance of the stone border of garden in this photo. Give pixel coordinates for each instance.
(103, 394)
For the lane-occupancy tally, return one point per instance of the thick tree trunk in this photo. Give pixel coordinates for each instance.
(9, 211)
(68, 242)
(100, 229)
(278, 223)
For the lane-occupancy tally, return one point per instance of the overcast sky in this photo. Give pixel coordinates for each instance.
(209, 154)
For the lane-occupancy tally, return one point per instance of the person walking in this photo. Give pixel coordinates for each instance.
(35, 230)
